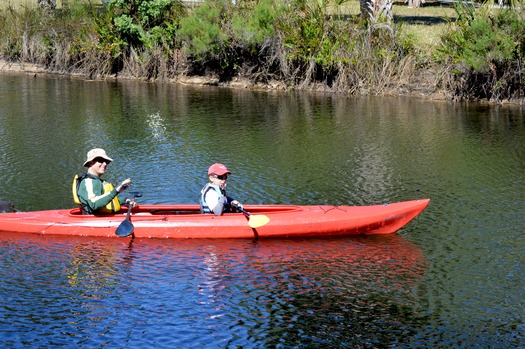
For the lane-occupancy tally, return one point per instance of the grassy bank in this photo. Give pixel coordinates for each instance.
(303, 45)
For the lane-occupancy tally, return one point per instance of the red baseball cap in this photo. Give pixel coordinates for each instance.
(218, 169)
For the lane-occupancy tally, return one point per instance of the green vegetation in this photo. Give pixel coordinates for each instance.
(489, 50)
(470, 53)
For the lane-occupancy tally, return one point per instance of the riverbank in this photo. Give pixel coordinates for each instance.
(423, 88)
(425, 53)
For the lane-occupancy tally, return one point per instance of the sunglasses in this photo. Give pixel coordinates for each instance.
(101, 160)
(221, 178)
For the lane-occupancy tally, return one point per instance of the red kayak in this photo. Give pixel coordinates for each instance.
(186, 221)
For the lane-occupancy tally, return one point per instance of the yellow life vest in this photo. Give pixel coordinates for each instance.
(76, 183)
(112, 207)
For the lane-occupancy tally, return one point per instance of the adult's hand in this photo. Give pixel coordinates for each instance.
(132, 203)
(124, 185)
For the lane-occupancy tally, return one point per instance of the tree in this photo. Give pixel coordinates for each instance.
(374, 11)
(47, 4)
(415, 3)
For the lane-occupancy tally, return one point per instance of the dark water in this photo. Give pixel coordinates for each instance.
(453, 278)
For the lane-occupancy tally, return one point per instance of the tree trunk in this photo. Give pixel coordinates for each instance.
(415, 3)
(377, 11)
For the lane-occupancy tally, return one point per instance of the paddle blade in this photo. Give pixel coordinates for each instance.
(125, 228)
(257, 221)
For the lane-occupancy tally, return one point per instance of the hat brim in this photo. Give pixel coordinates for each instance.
(221, 172)
(98, 156)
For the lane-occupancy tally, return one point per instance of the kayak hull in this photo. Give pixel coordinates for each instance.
(185, 221)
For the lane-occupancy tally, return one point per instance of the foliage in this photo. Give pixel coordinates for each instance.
(256, 26)
(311, 41)
(44, 36)
(481, 39)
(201, 32)
(145, 22)
(221, 36)
(488, 48)
(297, 43)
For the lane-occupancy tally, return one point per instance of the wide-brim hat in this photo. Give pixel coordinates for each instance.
(96, 153)
(218, 169)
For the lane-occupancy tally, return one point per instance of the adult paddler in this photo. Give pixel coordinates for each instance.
(95, 195)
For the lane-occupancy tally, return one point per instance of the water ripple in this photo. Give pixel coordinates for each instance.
(167, 293)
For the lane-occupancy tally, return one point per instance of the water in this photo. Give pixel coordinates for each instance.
(452, 278)
(208, 293)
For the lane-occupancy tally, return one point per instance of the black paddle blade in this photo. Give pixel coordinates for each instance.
(125, 228)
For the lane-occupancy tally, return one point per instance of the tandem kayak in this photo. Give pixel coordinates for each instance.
(186, 221)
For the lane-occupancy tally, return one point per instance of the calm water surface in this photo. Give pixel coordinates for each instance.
(453, 278)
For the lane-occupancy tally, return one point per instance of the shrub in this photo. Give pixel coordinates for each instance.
(487, 49)
(255, 26)
(201, 33)
(146, 23)
(481, 39)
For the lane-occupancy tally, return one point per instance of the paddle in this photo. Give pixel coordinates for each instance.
(255, 221)
(126, 227)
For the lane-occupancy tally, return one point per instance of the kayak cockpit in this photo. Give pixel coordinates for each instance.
(145, 210)
(185, 210)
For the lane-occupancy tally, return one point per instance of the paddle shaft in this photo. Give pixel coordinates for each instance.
(129, 212)
(247, 214)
